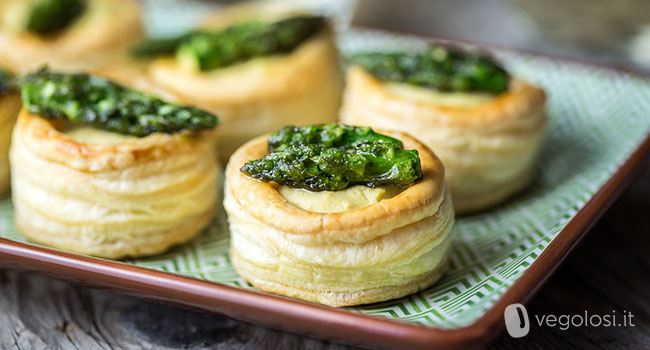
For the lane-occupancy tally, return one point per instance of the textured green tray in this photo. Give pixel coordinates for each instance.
(598, 117)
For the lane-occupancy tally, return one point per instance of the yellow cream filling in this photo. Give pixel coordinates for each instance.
(337, 201)
(236, 73)
(94, 136)
(449, 99)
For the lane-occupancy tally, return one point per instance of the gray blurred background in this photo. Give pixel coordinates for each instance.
(614, 32)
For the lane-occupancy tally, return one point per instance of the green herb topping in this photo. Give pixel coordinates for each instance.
(207, 50)
(153, 47)
(49, 17)
(7, 82)
(333, 157)
(437, 68)
(86, 99)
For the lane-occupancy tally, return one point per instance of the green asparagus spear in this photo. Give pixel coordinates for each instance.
(207, 50)
(437, 68)
(153, 47)
(334, 157)
(85, 99)
(49, 17)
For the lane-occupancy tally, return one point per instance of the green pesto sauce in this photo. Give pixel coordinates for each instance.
(334, 157)
(437, 68)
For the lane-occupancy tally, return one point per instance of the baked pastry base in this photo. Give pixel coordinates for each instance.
(151, 243)
(379, 252)
(489, 150)
(339, 299)
(131, 198)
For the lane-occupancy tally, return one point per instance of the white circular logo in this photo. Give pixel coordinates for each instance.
(517, 322)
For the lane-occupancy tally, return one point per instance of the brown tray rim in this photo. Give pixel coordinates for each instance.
(319, 321)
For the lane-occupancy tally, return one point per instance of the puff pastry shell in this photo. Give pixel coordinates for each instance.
(135, 197)
(9, 106)
(489, 150)
(263, 94)
(379, 252)
(102, 34)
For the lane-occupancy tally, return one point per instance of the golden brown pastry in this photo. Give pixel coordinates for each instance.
(102, 33)
(262, 94)
(83, 189)
(9, 106)
(355, 246)
(489, 143)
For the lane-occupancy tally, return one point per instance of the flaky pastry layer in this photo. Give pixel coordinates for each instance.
(133, 198)
(379, 252)
(489, 150)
